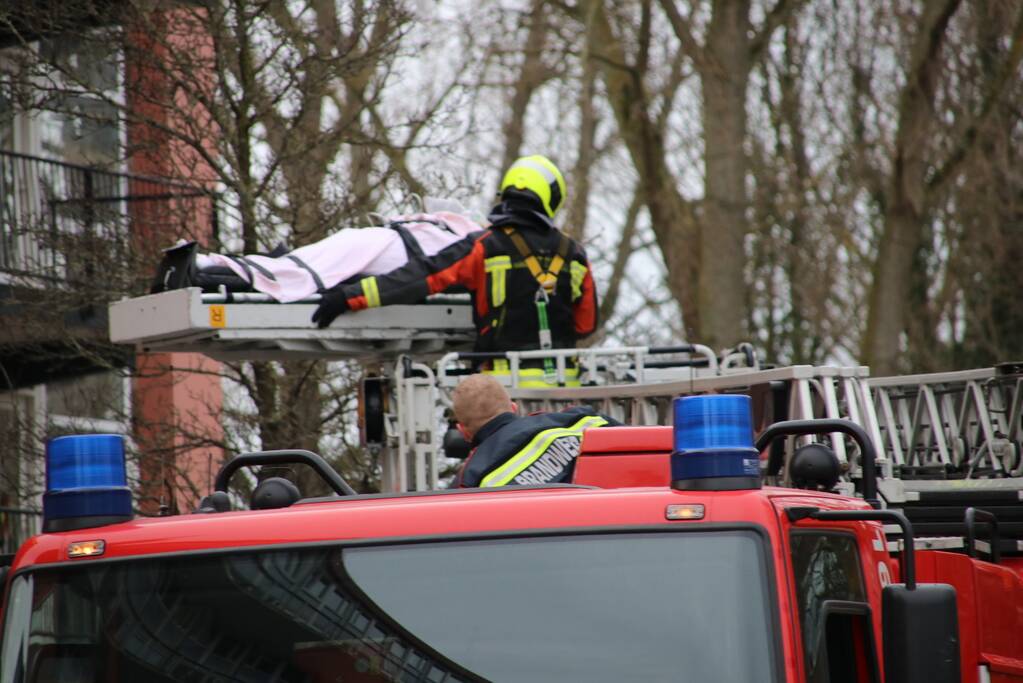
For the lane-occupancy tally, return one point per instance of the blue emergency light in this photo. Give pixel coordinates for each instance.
(86, 482)
(713, 448)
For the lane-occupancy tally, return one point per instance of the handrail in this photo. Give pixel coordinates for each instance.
(908, 564)
(823, 426)
(283, 457)
(971, 537)
(639, 354)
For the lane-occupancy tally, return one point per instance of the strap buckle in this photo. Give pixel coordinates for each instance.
(547, 281)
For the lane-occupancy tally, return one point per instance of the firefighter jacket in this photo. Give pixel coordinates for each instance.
(504, 289)
(536, 449)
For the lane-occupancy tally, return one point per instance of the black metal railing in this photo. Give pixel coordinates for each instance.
(66, 222)
(17, 525)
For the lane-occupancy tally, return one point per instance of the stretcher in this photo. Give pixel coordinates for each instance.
(252, 326)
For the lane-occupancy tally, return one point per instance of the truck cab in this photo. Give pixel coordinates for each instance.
(642, 569)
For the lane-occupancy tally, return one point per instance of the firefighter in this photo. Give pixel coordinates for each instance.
(531, 284)
(509, 449)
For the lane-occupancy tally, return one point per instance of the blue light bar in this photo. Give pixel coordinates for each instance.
(714, 443)
(86, 482)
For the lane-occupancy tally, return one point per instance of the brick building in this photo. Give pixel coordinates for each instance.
(86, 201)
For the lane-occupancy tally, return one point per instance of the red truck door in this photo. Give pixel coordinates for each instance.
(830, 572)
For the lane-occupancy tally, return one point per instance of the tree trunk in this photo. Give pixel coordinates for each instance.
(724, 77)
(586, 154)
(905, 205)
(671, 216)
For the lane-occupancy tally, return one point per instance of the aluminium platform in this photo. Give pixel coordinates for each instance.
(253, 327)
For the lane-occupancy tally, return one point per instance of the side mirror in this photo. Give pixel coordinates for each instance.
(921, 634)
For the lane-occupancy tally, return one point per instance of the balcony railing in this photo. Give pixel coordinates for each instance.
(17, 525)
(67, 223)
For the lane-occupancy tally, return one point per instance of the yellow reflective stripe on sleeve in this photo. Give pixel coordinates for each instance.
(497, 267)
(536, 448)
(369, 289)
(578, 272)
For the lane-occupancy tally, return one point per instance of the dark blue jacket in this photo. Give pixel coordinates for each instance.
(536, 449)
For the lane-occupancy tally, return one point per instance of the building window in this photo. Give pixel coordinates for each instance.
(80, 125)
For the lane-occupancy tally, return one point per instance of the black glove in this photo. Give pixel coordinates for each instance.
(332, 304)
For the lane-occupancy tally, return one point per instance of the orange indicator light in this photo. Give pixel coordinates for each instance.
(86, 548)
(686, 511)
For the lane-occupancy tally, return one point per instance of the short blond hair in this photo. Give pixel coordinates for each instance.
(477, 400)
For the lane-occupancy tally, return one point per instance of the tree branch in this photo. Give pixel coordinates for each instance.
(684, 31)
(778, 15)
(622, 255)
(971, 133)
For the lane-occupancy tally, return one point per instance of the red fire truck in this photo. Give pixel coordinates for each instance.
(666, 559)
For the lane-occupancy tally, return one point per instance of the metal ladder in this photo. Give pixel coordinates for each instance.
(959, 424)
(635, 385)
(956, 440)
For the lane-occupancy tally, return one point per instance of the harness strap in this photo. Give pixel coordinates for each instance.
(546, 278)
(262, 271)
(411, 244)
(244, 264)
(305, 266)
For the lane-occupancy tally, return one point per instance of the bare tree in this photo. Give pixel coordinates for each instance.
(923, 163)
(281, 108)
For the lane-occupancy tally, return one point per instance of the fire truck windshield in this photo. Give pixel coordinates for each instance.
(688, 606)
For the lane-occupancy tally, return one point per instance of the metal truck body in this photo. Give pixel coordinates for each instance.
(617, 577)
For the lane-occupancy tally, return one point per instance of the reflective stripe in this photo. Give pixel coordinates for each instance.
(369, 289)
(534, 378)
(497, 267)
(578, 272)
(547, 174)
(536, 448)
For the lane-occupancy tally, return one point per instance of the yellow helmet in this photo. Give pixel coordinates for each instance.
(541, 177)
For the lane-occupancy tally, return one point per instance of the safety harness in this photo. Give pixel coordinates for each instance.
(546, 281)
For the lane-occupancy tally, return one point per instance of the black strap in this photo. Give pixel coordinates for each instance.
(442, 225)
(305, 266)
(280, 250)
(411, 245)
(262, 271)
(244, 264)
(522, 246)
(563, 246)
(554, 266)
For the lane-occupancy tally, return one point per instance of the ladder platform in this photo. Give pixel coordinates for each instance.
(251, 327)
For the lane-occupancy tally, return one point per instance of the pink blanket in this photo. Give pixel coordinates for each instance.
(349, 252)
